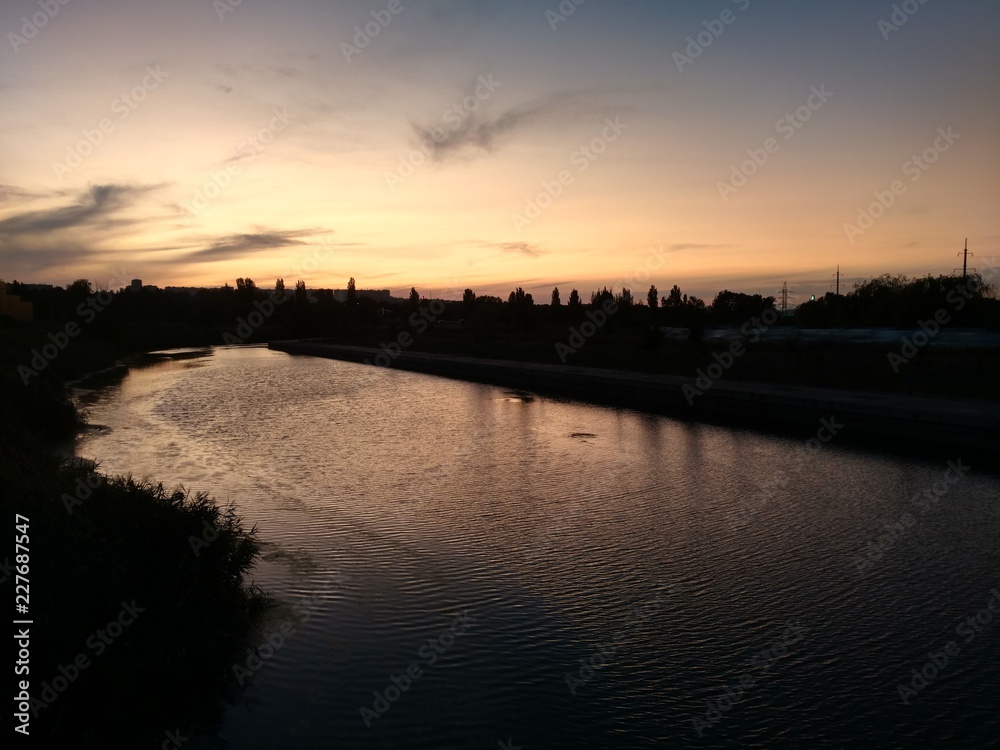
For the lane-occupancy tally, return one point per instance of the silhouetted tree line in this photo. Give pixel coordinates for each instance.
(899, 302)
(154, 318)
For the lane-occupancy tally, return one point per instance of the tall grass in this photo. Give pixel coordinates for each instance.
(98, 541)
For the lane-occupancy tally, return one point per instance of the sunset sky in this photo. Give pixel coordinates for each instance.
(270, 139)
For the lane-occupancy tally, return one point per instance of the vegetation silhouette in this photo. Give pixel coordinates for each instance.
(640, 335)
(101, 543)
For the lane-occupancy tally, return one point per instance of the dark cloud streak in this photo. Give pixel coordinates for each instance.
(477, 133)
(98, 204)
(241, 245)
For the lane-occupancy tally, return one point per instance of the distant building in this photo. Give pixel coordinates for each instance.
(376, 295)
(14, 307)
(136, 285)
(188, 290)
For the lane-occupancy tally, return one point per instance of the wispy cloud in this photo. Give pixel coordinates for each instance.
(242, 245)
(68, 234)
(676, 248)
(524, 248)
(480, 134)
(15, 193)
(96, 205)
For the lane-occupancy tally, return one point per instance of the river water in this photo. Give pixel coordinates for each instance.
(461, 566)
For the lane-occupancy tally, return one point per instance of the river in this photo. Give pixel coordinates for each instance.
(461, 566)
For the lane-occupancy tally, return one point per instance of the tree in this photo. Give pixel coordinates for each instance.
(597, 299)
(736, 307)
(245, 290)
(653, 298)
(625, 298)
(352, 292)
(80, 288)
(414, 299)
(674, 299)
(574, 300)
(300, 293)
(555, 297)
(279, 285)
(697, 303)
(469, 302)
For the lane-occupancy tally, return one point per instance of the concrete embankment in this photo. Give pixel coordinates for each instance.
(888, 419)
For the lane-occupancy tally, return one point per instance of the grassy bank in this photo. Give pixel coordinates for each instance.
(138, 593)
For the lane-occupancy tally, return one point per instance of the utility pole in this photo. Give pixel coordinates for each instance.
(965, 260)
(838, 279)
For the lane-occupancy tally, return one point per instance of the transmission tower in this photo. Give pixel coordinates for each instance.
(784, 298)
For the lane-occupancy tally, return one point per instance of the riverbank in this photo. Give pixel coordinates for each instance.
(911, 422)
(139, 596)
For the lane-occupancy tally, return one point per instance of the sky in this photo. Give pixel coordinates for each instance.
(735, 144)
